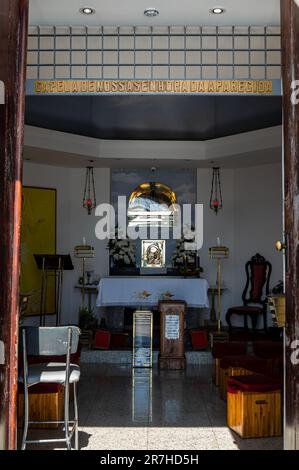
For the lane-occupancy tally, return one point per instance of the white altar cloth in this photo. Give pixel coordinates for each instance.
(129, 291)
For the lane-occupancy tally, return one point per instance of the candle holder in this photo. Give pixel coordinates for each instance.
(83, 252)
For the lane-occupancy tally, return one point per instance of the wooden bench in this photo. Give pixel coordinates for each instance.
(254, 406)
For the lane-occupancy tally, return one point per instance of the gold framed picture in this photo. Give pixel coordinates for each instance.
(153, 254)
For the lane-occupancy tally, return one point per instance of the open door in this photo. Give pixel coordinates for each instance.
(290, 70)
(13, 36)
(13, 40)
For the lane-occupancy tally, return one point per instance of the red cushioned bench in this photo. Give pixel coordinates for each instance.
(239, 365)
(102, 339)
(272, 351)
(220, 350)
(199, 339)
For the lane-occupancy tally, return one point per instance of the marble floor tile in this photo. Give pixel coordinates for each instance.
(155, 410)
(110, 438)
(114, 420)
(46, 434)
(182, 410)
(182, 419)
(181, 438)
(229, 440)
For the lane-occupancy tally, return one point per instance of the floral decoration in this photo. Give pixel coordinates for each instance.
(122, 250)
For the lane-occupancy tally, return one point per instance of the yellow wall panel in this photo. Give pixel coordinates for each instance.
(38, 236)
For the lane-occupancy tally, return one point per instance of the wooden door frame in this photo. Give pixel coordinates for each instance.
(13, 47)
(290, 73)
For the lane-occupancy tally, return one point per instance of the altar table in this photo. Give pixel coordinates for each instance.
(145, 291)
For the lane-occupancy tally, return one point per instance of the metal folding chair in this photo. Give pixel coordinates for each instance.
(51, 341)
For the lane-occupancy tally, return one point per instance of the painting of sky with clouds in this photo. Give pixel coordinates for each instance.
(182, 182)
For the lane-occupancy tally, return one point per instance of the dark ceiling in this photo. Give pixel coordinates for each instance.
(153, 117)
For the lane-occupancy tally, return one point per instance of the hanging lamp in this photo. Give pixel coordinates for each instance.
(89, 197)
(216, 195)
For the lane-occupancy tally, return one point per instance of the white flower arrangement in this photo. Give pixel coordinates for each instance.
(122, 251)
(178, 256)
(181, 252)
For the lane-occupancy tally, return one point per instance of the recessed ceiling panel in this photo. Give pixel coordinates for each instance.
(153, 117)
(171, 12)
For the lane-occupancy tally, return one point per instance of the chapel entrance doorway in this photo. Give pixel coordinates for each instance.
(10, 210)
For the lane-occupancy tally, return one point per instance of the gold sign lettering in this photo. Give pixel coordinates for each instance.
(154, 86)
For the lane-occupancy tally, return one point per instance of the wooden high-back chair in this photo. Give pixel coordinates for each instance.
(258, 272)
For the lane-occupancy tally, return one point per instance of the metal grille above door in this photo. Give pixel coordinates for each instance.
(154, 53)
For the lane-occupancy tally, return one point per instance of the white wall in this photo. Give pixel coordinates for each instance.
(258, 220)
(220, 225)
(250, 222)
(73, 222)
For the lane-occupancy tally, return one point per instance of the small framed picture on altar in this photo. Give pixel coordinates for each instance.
(153, 253)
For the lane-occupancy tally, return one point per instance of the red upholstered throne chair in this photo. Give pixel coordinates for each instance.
(258, 272)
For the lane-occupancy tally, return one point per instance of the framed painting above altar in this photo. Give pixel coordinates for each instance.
(152, 198)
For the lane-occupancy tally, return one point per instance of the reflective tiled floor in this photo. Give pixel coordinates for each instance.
(121, 409)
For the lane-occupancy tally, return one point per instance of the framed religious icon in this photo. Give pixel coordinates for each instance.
(153, 253)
